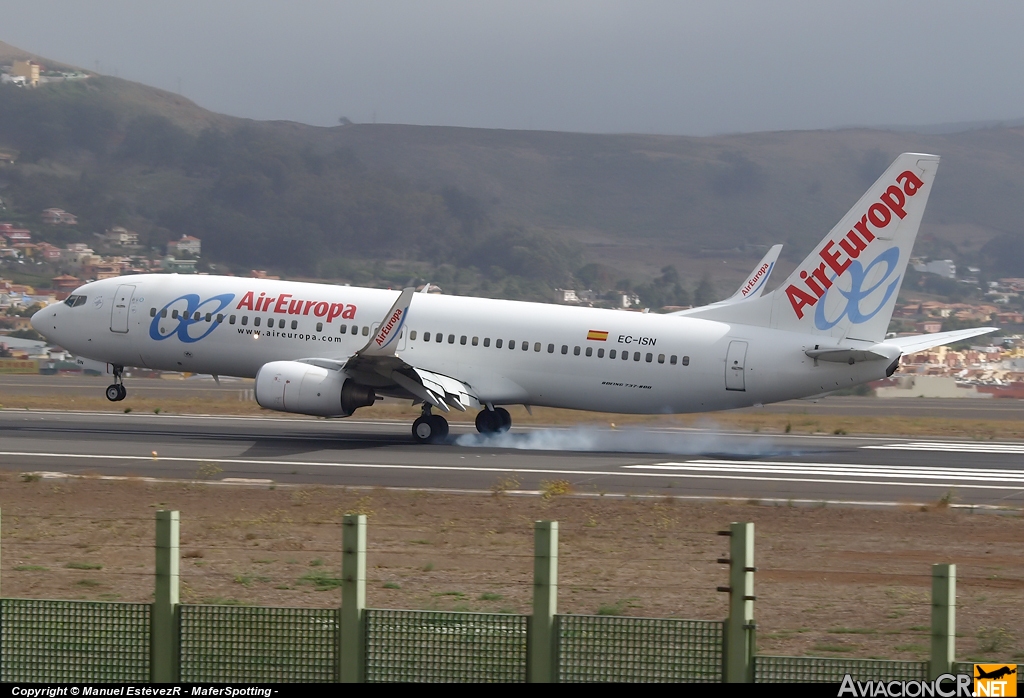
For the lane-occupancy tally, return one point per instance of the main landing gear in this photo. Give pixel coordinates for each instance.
(430, 428)
(116, 391)
(493, 421)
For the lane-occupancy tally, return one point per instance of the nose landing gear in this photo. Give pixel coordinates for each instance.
(116, 391)
(430, 428)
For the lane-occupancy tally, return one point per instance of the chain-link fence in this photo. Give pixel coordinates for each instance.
(252, 644)
(435, 646)
(772, 669)
(74, 641)
(612, 648)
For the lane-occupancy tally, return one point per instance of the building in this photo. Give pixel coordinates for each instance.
(121, 237)
(186, 245)
(942, 267)
(178, 266)
(58, 216)
(47, 252)
(29, 70)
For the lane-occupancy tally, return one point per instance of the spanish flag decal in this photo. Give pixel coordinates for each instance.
(597, 335)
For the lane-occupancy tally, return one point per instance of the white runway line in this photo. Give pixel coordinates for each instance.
(840, 470)
(948, 447)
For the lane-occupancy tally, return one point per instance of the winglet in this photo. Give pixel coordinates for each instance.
(384, 343)
(758, 279)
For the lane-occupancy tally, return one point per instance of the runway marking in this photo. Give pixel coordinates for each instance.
(622, 471)
(835, 469)
(948, 447)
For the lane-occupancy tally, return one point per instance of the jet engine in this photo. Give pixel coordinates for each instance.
(292, 386)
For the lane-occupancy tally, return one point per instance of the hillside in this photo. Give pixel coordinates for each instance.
(372, 203)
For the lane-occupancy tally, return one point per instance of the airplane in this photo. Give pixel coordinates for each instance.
(329, 350)
(995, 673)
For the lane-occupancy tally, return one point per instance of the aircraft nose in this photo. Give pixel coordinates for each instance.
(40, 318)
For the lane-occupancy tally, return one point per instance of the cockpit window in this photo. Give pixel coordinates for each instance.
(75, 301)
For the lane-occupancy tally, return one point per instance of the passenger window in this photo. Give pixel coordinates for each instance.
(611, 354)
(366, 330)
(256, 321)
(163, 313)
(440, 337)
(590, 351)
(636, 356)
(625, 356)
(174, 314)
(649, 358)
(451, 339)
(245, 319)
(270, 322)
(575, 351)
(343, 328)
(497, 344)
(600, 354)
(319, 327)
(231, 320)
(487, 341)
(220, 318)
(476, 341)
(672, 360)
(526, 345)
(462, 340)
(412, 335)
(295, 325)
(512, 344)
(661, 358)
(152, 312)
(686, 361)
(565, 348)
(209, 317)
(536, 346)
(551, 348)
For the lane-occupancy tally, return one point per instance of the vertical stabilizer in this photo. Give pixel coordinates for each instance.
(847, 287)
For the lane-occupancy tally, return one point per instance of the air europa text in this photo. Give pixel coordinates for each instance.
(880, 214)
(294, 306)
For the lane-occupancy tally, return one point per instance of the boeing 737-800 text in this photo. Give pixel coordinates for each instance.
(328, 350)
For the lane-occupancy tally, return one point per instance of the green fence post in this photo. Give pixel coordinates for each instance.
(542, 664)
(164, 615)
(943, 620)
(352, 650)
(739, 627)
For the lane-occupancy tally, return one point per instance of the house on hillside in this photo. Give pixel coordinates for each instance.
(178, 266)
(58, 216)
(121, 237)
(47, 252)
(186, 245)
(28, 71)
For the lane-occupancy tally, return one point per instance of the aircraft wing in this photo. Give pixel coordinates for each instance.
(379, 366)
(753, 286)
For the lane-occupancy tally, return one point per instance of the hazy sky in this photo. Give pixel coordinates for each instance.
(677, 67)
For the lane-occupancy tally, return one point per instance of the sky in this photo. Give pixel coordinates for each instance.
(600, 66)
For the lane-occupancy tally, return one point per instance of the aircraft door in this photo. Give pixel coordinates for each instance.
(122, 304)
(735, 361)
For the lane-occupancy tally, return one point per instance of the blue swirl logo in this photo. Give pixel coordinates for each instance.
(190, 318)
(858, 293)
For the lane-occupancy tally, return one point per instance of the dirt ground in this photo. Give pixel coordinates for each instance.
(852, 582)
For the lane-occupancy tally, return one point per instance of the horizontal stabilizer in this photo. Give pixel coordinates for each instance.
(921, 342)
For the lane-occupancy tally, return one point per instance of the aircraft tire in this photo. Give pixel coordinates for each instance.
(487, 422)
(430, 429)
(505, 419)
(114, 393)
(123, 392)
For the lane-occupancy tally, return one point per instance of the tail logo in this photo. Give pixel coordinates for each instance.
(838, 255)
(858, 293)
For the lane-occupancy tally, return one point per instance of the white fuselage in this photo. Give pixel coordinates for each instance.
(509, 352)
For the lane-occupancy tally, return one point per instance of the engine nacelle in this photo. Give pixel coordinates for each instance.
(291, 386)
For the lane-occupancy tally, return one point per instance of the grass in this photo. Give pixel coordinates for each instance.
(392, 585)
(490, 596)
(320, 580)
(87, 583)
(83, 566)
(832, 648)
(30, 568)
(852, 631)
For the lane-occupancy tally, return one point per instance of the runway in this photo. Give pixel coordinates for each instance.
(689, 463)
